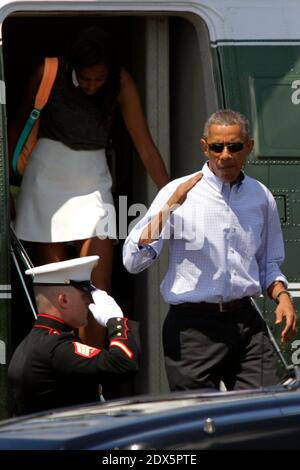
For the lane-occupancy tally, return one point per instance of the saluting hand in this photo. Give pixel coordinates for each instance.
(104, 307)
(153, 230)
(180, 194)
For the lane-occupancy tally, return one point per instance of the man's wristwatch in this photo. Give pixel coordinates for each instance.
(286, 292)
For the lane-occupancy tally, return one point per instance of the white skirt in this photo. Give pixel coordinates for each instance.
(65, 195)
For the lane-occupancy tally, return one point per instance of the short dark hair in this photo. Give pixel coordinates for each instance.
(91, 46)
(228, 117)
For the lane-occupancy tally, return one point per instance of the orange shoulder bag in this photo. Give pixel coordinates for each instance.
(29, 135)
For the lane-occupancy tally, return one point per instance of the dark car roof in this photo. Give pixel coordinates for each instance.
(142, 422)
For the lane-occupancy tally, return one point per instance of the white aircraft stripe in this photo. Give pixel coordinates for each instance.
(5, 295)
(294, 285)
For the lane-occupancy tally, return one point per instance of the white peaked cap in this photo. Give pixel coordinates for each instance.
(77, 269)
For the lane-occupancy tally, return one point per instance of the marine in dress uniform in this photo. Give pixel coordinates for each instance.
(52, 367)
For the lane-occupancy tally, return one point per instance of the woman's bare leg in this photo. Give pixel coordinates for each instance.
(93, 334)
(44, 253)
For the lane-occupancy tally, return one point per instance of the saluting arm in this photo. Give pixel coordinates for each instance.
(153, 230)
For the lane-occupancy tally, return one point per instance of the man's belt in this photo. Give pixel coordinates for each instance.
(217, 307)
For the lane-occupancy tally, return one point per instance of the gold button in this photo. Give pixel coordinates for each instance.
(119, 327)
(119, 334)
(119, 319)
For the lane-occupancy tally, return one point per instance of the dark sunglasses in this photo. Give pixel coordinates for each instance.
(232, 147)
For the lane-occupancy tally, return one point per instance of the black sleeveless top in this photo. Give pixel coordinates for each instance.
(73, 117)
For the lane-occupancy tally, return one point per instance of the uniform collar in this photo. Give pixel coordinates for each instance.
(44, 320)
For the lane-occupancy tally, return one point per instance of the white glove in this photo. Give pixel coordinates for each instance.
(104, 307)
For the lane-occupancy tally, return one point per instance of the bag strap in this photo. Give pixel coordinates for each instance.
(49, 75)
(34, 115)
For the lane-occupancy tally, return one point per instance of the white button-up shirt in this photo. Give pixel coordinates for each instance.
(225, 241)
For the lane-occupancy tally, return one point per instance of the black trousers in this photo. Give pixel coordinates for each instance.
(203, 347)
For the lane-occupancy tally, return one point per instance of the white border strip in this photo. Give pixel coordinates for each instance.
(2, 92)
(295, 293)
(5, 295)
(294, 289)
(255, 43)
(5, 286)
(294, 285)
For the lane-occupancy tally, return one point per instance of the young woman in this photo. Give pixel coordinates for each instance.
(65, 194)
